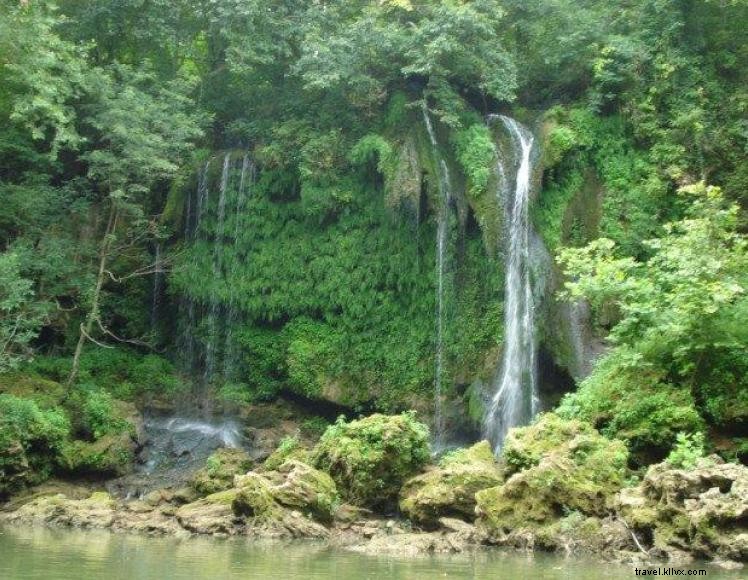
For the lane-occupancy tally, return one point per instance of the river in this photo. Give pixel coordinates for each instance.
(40, 553)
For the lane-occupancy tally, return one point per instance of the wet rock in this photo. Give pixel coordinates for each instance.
(450, 489)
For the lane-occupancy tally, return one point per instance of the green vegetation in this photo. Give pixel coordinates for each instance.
(244, 195)
(370, 458)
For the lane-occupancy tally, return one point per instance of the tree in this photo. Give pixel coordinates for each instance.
(672, 306)
(140, 133)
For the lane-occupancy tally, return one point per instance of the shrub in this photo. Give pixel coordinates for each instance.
(688, 449)
(30, 439)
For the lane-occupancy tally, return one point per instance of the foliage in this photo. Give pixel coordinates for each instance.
(688, 449)
(20, 315)
(30, 439)
(674, 308)
(370, 458)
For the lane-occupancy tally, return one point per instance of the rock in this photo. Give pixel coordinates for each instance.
(702, 511)
(289, 448)
(581, 473)
(96, 511)
(370, 458)
(219, 471)
(253, 497)
(209, 515)
(450, 489)
(307, 489)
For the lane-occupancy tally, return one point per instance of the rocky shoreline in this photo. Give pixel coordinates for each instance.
(371, 486)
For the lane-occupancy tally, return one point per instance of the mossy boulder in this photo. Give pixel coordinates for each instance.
(449, 490)
(289, 448)
(703, 510)
(370, 458)
(307, 489)
(213, 514)
(111, 455)
(219, 471)
(555, 467)
(253, 497)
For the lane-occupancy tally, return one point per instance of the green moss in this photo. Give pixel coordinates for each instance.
(288, 448)
(308, 490)
(370, 458)
(449, 491)
(636, 405)
(219, 471)
(557, 467)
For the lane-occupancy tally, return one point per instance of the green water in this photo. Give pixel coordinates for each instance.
(27, 554)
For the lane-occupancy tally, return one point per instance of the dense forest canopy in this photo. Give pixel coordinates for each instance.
(243, 193)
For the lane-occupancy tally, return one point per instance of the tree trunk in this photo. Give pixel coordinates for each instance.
(86, 327)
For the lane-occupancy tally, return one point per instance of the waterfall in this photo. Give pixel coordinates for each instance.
(193, 216)
(442, 233)
(232, 315)
(158, 282)
(213, 316)
(515, 401)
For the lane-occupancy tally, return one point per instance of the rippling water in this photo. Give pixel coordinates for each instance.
(29, 554)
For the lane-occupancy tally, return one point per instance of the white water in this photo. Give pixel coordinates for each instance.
(515, 399)
(158, 282)
(213, 316)
(232, 314)
(442, 233)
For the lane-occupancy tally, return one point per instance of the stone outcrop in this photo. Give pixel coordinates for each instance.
(702, 511)
(449, 489)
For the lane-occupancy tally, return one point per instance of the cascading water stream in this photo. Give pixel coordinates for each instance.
(229, 360)
(515, 401)
(211, 346)
(442, 233)
(158, 282)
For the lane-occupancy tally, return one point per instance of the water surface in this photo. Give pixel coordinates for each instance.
(37, 553)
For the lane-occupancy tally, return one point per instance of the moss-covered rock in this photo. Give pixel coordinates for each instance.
(449, 490)
(219, 471)
(370, 458)
(253, 497)
(289, 448)
(111, 455)
(703, 510)
(556, 467)
(213, 514)
(307, 490)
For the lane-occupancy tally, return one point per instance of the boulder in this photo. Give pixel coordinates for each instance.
(370, 458)
(213, 514)
(307, 489)
(449, 490)
(580, 472)
(219, 471)
(703, 510)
